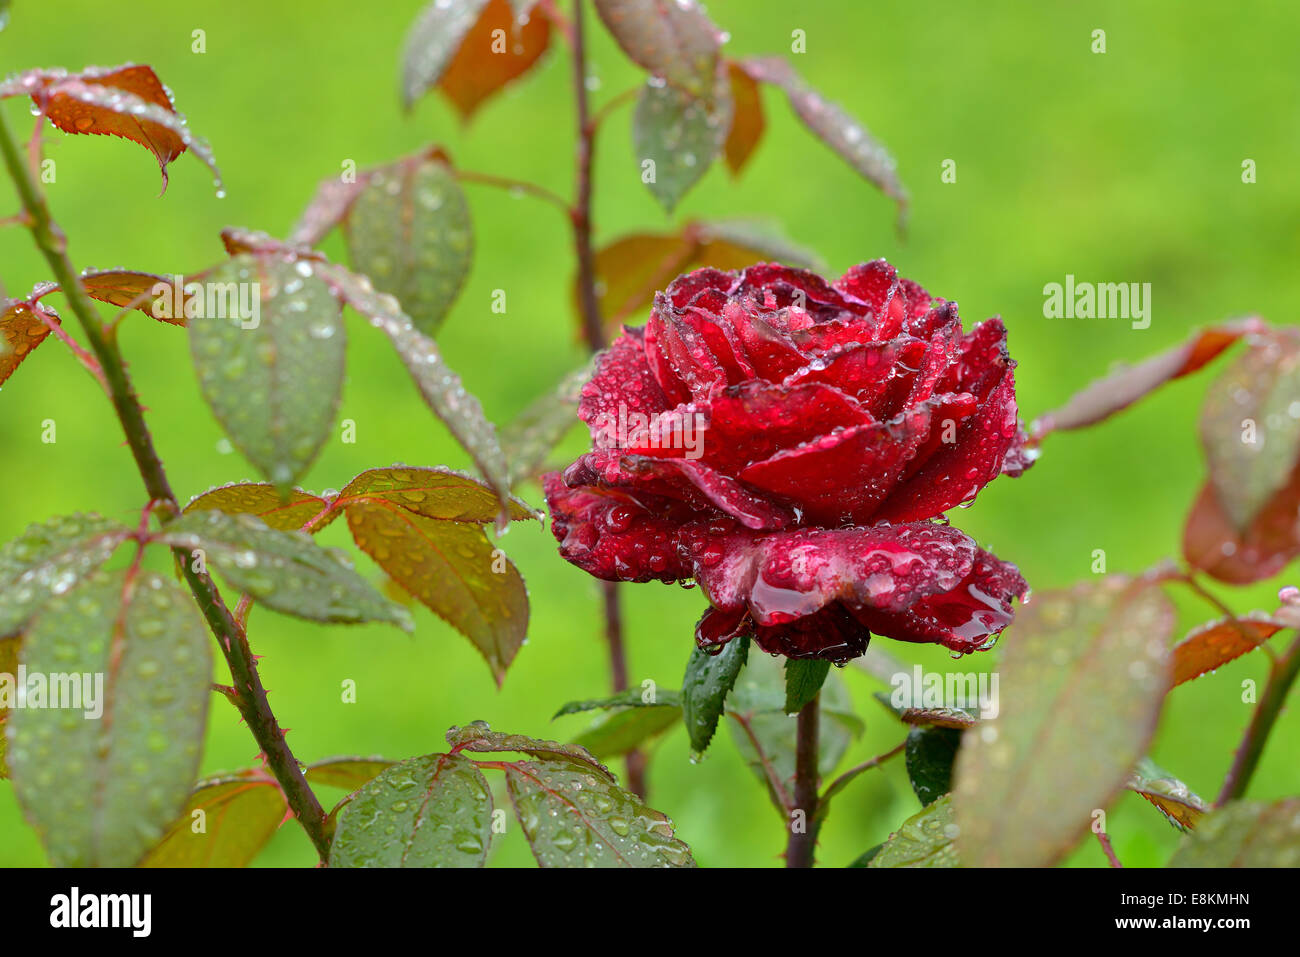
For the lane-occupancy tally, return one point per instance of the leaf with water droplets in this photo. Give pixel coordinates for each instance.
(21, 331)
(924, 840)
(263, 500)
(497, 50)
(101, 791)
(621, 730)
(453, 570)
(1083, 678)
(346, 773)
(836, 128)
(929, 754)
(433, 492)
(138, 290)
(227, 821)
(409, 230)
(270, 361)
(708, 680)
(631, 698)
(9, 648)
(747, 121)
(479, 736)
(804, 677)
(48, 558)
(673, 39)
(432, 43)
(574, 818)
(531, 436)
(1245, 834)
(286, 571)
(1218, 642)
(1213, 545)
(681, 134)
(1180, 806)
(430, 811)
(440, 387)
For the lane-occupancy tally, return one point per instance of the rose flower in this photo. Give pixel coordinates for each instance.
(787, 444)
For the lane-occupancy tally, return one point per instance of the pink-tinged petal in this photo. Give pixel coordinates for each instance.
(955, 473)
(685, 480)
(757, 419)
(613, 537)
(831, 634)
(964, 618)
(623, 381)
(781, 577)
(683, 290)
(876, 284)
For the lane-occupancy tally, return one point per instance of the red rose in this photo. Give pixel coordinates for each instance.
(785, 443)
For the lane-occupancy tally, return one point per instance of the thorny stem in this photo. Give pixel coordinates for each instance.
(250, 696)
(1104, 840)
(1282, 674)
(802, 841)
(594, 333)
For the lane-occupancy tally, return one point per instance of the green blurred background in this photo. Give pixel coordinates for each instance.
(1123, 166)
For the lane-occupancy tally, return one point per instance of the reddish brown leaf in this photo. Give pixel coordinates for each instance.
(497, 50)
(673, 39)
(122, 288)
(747, 121)
(1219, 642)
(437, 493)
(1212, 544)
(21, 331)
(263, 500)
(1121, 389)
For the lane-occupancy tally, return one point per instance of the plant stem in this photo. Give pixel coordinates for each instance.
(593, 332)
(802, 840)
(1282, 674)
(251, 696)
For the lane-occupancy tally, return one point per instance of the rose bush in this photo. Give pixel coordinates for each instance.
(787, 444)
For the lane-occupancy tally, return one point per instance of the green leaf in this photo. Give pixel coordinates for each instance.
(924, 840)
(531, 436)
(286, 571)
(264, 500)
(704, 688)
(682, 134)
(346, 773)
(1245, 834)
(631, 698)
(430, 811)
(574, 818)
(102, 792)
(676, 41)
(48, 559)
(409, 230)
(227, 822)
(273, 372)
(930, 753)
(1083, 678)
(804, 677)
(441, 388)
(478, 736)
(1171, 797)
(866, 857)
(618, 732)
(433, 41)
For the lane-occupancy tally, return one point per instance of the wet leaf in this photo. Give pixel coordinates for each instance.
(48, 559)
(453, 570)
(127, 101)
(430, 811)
(21, 331)
(834, 127)
(9, 648)
(478, 736)
(747, 121)
(501, 47)
(432, 42)
(708, 680)
(239, 815)
(924, 840)
(272, 372)
(621, 730)
(263, 500)
(1213, 545)
(139, 290)
(574, 818)
(681, 133)
(1119, 390)
(1180, 806)
(631, 698)
(804, 677)
(673, 40)
(409, 230)
(930, 753)
(958, 718)
(285, 571)
(440, 387)
(1245, 834)
(437, 493)
(1218, 642)
(346, 773)
(1083, 677)
(102, 792)
(531, 436)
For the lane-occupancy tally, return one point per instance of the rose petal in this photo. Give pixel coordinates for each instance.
(623, 381)
(831, 634)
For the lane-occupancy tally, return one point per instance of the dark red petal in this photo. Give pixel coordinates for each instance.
(771, 352)
(964, 618)
(982, 355)
(623, 380)
(862, 370)
(684, 289)
(831, 634)
(876, 284)
(779, 287)
(681, 360)
(716, 627)
(612, 537)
